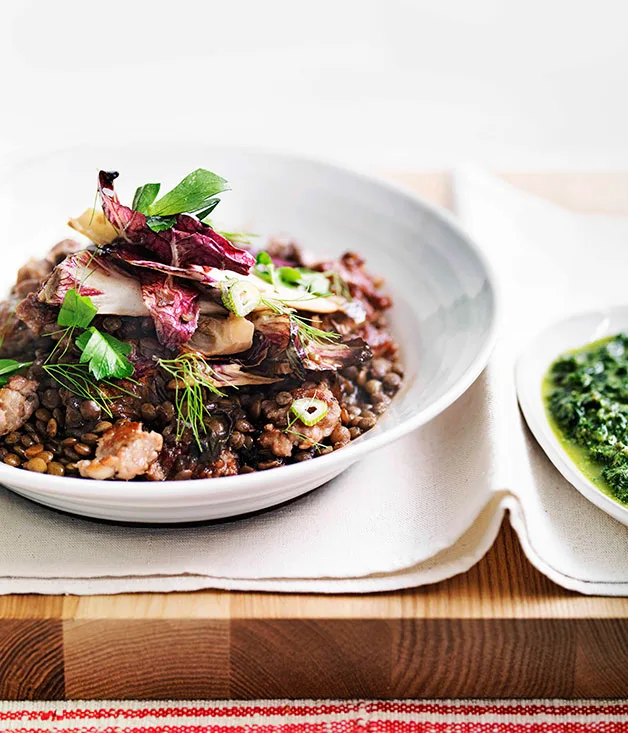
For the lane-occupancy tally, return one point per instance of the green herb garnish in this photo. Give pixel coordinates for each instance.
(315, 283)
(105, 355)
(9, 367)
(202, 215)
(235, 237)
(192, 195)
(144, 197)
(339, 285)
(305, 329)
(77, 379)
(160, 223)
(319, 447)
(265, 269)
(192, 376)
(312, 333)
(77, 311)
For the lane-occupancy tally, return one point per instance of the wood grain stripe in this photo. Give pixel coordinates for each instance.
(31, 660)
(159, 660)
(290, 659)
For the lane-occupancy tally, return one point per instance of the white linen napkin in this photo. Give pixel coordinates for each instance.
(453, 480)
(550, 262)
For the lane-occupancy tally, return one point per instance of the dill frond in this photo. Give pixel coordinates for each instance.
(192, 376)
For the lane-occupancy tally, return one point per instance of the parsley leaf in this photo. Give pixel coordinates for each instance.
(202, 215)
(191, 195)
(76, 310)
(9, 367)
(265, 268)
(105, 354)
(160, 223)
(144, 197)
(314, 282)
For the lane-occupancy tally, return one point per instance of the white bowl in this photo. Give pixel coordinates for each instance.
(443, 315)
(532, 366)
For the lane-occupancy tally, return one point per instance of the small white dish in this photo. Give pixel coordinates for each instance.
(531, 369)
(444, 310)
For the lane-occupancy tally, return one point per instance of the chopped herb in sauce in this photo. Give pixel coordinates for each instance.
(586, 394)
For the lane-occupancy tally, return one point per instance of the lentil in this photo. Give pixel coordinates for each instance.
(56, 469)
(37, 465)
(103, 426)
(33, 450)
(90, 410)
(51, 399)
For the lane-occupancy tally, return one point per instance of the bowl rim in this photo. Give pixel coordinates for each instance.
(210, 488)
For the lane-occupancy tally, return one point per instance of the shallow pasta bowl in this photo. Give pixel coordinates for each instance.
(443, 315)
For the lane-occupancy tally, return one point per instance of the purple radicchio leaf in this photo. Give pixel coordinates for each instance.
(231, 374)
(331, 356)
(111, 288)
(278, 336)
(274, 331)
(173, 306)
(138, 257)
(187, 242)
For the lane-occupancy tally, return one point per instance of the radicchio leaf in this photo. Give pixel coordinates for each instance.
(187, 242)
(111, 289)
(274, 330)
(231, 374)
(173, 306)
(331, 356)
(138, 257)
(278, 336)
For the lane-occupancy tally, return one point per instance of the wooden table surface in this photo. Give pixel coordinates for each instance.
(500, 630)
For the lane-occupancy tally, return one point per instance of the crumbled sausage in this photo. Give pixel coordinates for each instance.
(124, 451)
(18, 401)
(276, 441)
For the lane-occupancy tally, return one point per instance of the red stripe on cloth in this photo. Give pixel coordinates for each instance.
(299, 709)
(349, 726)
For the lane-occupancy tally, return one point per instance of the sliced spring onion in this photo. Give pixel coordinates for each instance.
(240, 297)
(309, 410)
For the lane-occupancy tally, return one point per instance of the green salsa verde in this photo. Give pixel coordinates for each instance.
(586, 397)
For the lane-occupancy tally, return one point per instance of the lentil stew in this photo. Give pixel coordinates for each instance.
(164, 349)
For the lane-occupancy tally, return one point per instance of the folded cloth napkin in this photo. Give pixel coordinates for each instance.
(550, 263)
(453, 480)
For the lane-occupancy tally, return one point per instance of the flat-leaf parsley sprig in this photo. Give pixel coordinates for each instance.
(8, 367)
(103, 356)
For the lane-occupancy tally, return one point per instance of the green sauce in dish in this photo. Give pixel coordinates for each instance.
(586, 397)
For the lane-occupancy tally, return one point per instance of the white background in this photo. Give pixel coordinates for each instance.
(392, 84)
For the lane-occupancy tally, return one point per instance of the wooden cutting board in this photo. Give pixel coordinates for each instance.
(500, 630)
